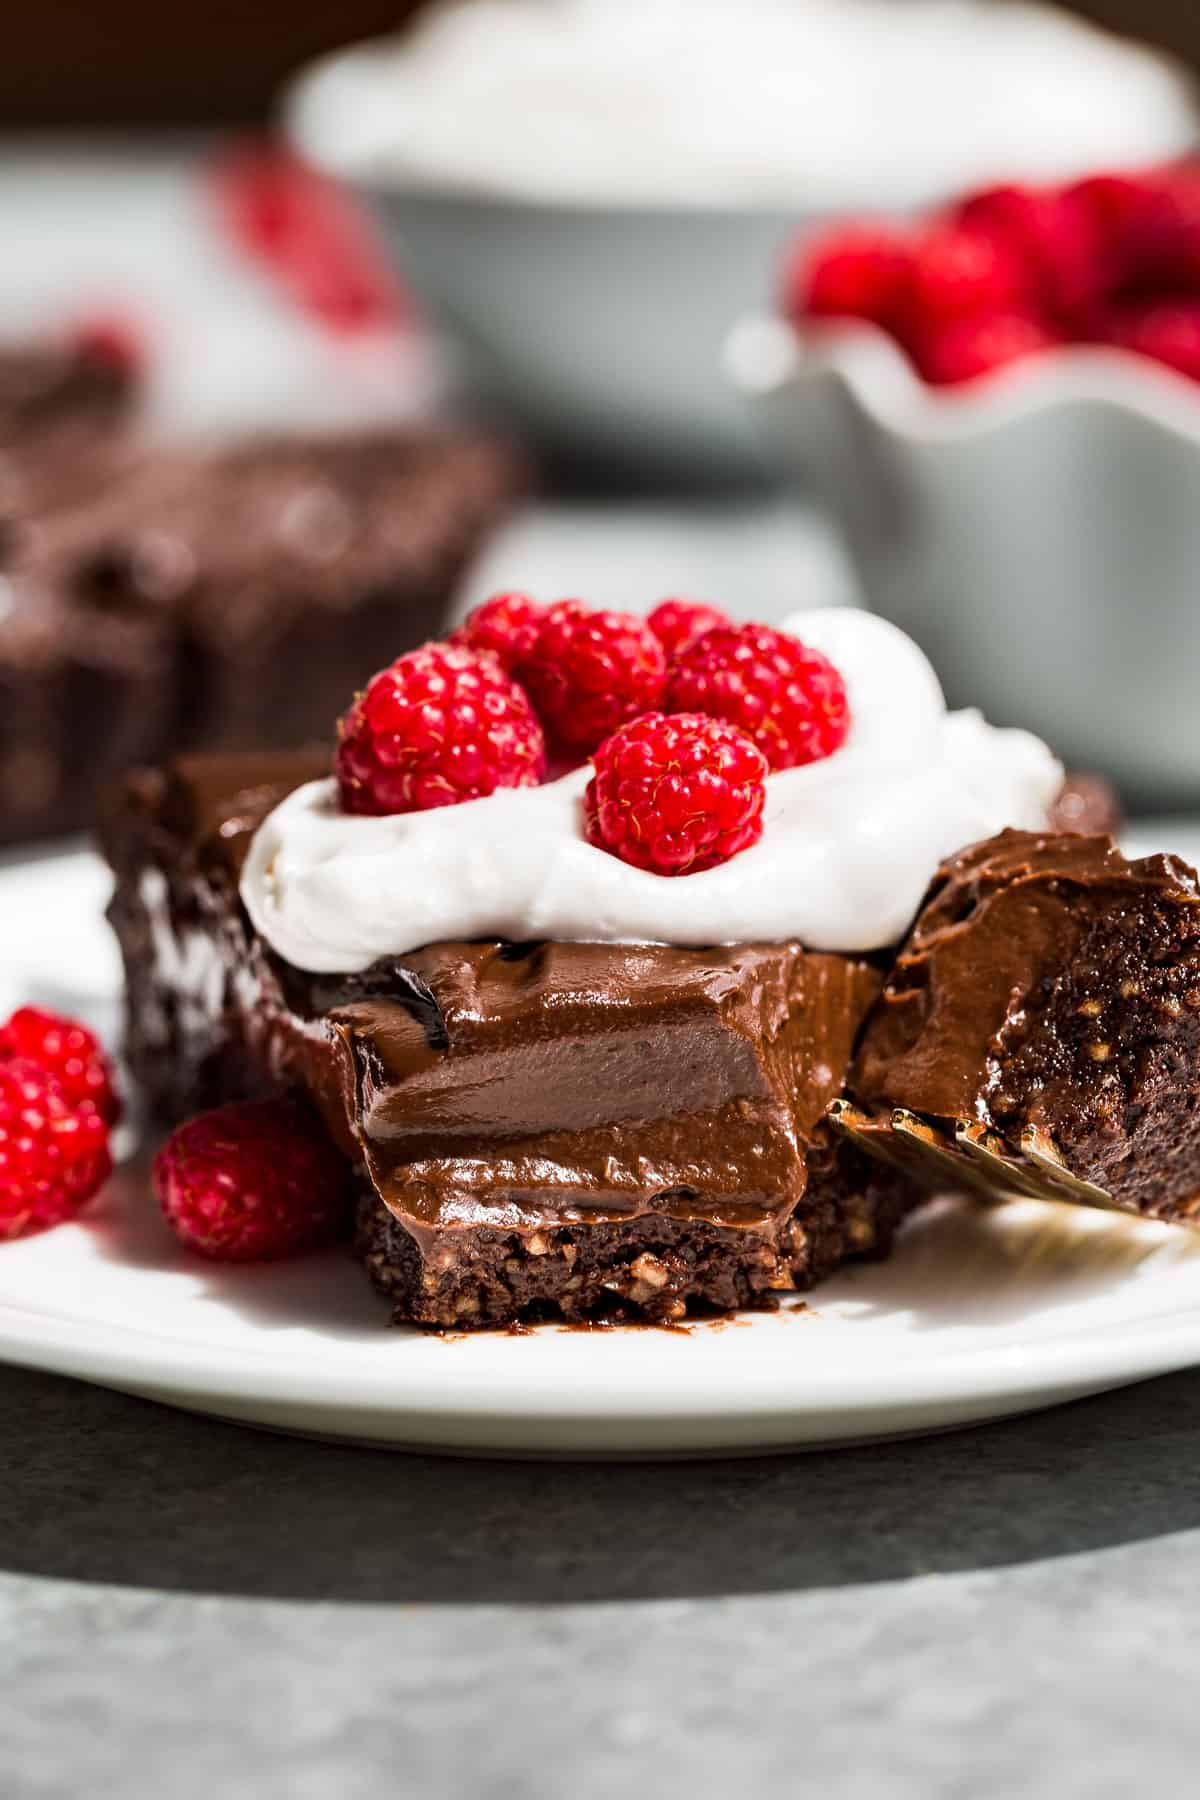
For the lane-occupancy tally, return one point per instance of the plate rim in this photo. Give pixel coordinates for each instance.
(791, 1397)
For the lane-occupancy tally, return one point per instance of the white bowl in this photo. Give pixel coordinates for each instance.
(596, 328)
(587, 211)
(600, 324)
(1038, 533)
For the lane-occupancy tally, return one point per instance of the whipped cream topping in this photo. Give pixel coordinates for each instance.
(765, 102)
(849, 844)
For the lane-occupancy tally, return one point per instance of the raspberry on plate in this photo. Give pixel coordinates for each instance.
(970, 348)
(675, 623)
(69, 1051)
(857, 271)
(788, 698)
(507, 626)
(53, 1156)
(251, 1181)
(591, 671)
(441, 725)
(676, 795)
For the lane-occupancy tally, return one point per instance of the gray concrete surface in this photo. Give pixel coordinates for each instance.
(188, 1610)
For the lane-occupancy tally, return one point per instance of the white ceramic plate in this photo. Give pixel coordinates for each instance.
(982, 1312)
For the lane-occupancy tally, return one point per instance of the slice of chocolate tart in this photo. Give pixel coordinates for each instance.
(540, 1129)
(1040, 1031)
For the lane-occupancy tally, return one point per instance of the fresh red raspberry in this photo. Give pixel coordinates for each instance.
(959, 273)
(970, 348)
(856, 271)
(676, 622)
(70, 1052)
(1056, 236)
(1166, 330)
(676, 794)
(506, 626)
(1160, 231)
(440, 725)
(590, 671)
(53, 1156)
(310, 234)
(112, 341)
(789, 699)
(251, 1181)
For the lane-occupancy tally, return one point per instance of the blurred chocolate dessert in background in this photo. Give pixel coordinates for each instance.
(228, 598)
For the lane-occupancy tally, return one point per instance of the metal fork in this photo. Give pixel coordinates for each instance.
(973, 1156)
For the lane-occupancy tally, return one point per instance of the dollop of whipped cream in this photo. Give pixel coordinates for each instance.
(834, 103)
(849, 844)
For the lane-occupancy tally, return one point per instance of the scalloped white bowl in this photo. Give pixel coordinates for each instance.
(1037, 533)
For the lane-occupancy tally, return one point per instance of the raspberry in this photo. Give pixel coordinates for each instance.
(789, 699)
(507, 626)
(310, 234)
(70, 1052)
(959, 272)
(1166, 330)
(676, 795)
(858, 271)
(1161, 231)
(676, 622)
(591, 671)
(1113, 202)
(53, 1156)
(251, 1181)
(970, 348)
(111, 341)
(440, 725)
(1056, 236)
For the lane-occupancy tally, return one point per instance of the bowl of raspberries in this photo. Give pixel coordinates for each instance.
(999, 405)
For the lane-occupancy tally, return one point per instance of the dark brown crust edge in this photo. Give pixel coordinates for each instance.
(653, 1269)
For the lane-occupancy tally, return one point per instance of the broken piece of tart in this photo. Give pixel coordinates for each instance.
(578, 1032)
(572, 1129)
(1040, 1031)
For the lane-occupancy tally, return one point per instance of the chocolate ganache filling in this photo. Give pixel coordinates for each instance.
(1050, 983)
(481, 1082)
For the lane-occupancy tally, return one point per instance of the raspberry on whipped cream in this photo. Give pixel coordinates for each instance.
(676, 623)
(676, 794)
(440, 726)
(506, 626)
(787, 697)
(590, 671)
(849, 842)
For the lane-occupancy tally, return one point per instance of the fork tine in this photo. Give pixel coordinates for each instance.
(1041, 1150)
(1006, 1172)
(975, 1157)
(906, 1142)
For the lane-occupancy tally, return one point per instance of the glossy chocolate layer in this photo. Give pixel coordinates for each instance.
(1050, 982)
(568, 1080)
(491, 1080)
